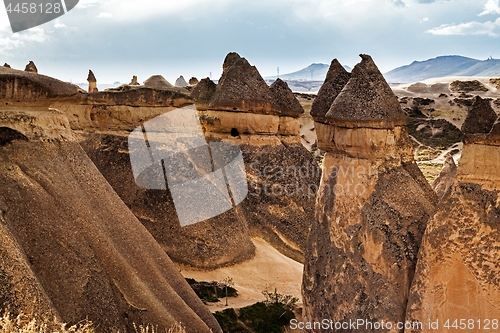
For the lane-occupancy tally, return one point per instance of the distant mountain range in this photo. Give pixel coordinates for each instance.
(313, 72)
(453, 65)
(443, 66)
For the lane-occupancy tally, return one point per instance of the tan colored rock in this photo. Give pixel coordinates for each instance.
(284, 97)
(92, 82)
(371, 211)
(20, 90)
(242, 89)
(134, 81)
(193, 81)
(457, 271)
(446, 178)
(71, 249)
(30, 67)
(120, 110)
(245, 123)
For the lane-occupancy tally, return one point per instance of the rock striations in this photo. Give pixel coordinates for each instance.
(70, 247)
(371, 211)
(457, 275)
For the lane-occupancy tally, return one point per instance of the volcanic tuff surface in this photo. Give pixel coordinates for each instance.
(371, 211)
(457, 272)
(71, 249)
(284, 97)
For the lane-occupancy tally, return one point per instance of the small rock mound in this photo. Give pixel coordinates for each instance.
(30, 67)
(6, 65)
(446, 178)
(467, 86)
(336, 79)
(367, 98)
(193, 81)
(481, 117)
(181, 82)
(203, 92)
(285, 98)
(157, 82)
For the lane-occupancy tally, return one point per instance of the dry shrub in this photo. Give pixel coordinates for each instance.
(24, 324)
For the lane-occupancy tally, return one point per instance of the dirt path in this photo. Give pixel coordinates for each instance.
(269, 269)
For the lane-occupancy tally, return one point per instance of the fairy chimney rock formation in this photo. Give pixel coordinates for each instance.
(242, 89)
(371, 210)
(181, 82)
(243, 103)
(193, 81)
(336, 79)
(30, 67)
(92, 82)
(446, 178)
(134, 81)
(457, 272)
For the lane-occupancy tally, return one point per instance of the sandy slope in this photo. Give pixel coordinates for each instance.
(269, 269)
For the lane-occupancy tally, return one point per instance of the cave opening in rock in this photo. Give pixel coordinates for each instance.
(7, 135)
(235, 132)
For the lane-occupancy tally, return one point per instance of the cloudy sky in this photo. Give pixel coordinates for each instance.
(121, 38)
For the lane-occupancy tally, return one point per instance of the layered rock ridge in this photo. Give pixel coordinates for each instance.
(69, 247)
(457, 273)
(372, 207)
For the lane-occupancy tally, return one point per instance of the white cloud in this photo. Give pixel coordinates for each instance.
(470, 28)
(58, 25)
(425, 19)
(104, 15)
(12, 41)
(491, 7)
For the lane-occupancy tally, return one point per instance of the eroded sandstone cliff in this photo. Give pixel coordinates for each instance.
(372, 207)
(456, 280)
(70, 248)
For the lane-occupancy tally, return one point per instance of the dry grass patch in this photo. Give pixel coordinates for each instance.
(430, 170)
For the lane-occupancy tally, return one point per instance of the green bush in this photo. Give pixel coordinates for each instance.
(228, 321)
(266, 318)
